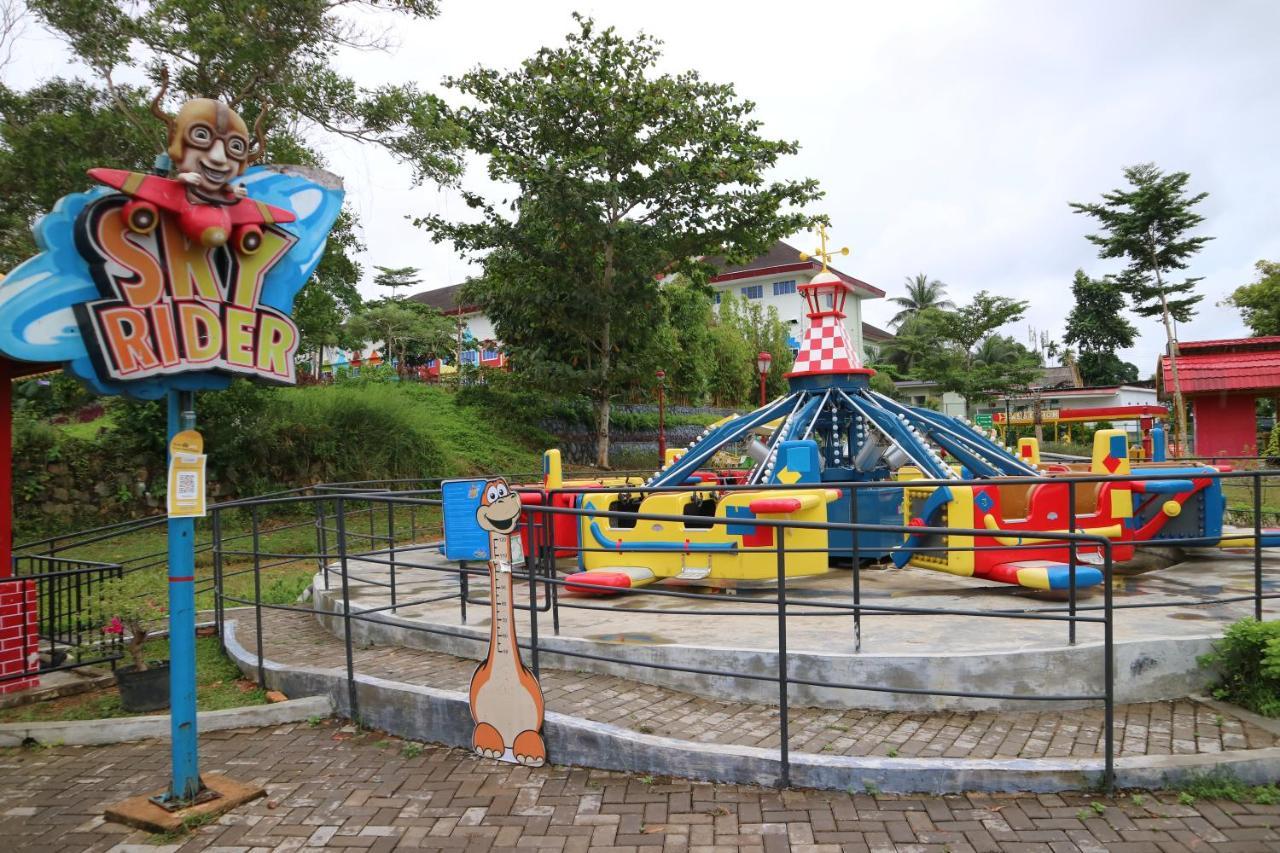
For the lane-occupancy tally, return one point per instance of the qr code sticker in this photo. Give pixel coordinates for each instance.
(188, 484)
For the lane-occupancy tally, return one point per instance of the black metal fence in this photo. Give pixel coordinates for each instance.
(393, 525)
(70, 616)
(362, 527)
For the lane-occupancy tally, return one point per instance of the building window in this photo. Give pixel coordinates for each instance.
(490, 355)
(715, 298)
(782, 288)
(469, 357)
(753, 291)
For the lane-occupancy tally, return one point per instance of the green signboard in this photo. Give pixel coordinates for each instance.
(983, 419)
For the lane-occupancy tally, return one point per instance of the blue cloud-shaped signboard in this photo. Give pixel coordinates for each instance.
(124, 297)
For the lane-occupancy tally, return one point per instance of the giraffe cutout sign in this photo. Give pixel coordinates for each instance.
(506, 699)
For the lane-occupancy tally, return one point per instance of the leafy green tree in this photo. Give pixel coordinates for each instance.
(923, 293)
(764, 331)
(394, 277)
(1149, 225)
(408, 331)
(252, 53)
(961, 352)
(1098, 327)
(1259, 302)
(685, 353)
(324, 304)
(49, 136)
(620, 173)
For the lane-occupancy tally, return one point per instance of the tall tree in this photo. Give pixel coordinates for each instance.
(49, 136)
(1097, 327)
(1149, 225)
(923, 293)
(1259, 302)
(254, 53)
(323, 306)
(961, 352)
(620, 172)
(394, 277)
(408, 331)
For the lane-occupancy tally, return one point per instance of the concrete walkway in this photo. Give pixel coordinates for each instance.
(331, 786)
(1157, 728)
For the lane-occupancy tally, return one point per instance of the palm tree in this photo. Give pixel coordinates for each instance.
(922, 293)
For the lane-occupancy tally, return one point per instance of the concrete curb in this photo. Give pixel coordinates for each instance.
(440, 716)
(118, 730)
(1147, 670)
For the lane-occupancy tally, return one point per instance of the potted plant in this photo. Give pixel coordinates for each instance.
(136, 604)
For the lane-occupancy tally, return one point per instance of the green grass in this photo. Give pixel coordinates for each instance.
(88, 430)
(219, 685)
(1223, 785)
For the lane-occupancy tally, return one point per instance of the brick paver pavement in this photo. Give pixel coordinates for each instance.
(1155, 728)
(330, 786)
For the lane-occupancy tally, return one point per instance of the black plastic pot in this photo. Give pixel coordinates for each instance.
(146, 690)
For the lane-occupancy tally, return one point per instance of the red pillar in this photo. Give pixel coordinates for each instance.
(6, 468)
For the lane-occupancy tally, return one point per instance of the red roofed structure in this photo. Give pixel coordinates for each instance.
(1222, 379)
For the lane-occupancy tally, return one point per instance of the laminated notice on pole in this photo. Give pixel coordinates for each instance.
(186, 475)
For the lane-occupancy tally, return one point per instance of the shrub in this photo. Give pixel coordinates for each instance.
(1248, 658)
(134, 602)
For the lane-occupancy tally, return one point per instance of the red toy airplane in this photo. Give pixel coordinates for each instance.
(209, 223)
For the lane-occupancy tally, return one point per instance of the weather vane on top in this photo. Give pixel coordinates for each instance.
(821, 252)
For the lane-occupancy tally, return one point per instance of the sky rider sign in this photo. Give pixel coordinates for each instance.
(150, 283)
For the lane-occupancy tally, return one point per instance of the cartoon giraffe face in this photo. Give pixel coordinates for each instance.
(499, 510)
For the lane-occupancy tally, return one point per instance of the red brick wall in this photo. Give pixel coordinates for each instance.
(19, 642)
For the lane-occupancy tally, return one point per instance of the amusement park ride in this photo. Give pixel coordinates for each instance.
(831, 427)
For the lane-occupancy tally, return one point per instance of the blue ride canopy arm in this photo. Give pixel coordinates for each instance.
(679, 472)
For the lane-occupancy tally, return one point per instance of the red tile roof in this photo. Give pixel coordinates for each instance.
(782, 258)
(1240, 364)
(1230, 345)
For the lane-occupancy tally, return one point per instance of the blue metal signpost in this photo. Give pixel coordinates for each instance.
(157, 285)
(184, 784)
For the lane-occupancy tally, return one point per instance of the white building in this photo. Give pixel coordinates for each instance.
(769, 280)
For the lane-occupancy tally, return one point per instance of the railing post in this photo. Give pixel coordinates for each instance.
(1071, 562)
(391, 548)
(257, 596)
(1257, 547)
(322, 540)
(855, 564)
(533, 594)
(340, 510)
(550, 522)
(1108, 669)
(219, 606)
(784, 746)
(464, 589)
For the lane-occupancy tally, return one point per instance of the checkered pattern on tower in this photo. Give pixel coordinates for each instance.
(825, 348)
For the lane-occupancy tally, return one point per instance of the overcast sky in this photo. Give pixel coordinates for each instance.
(948, 136)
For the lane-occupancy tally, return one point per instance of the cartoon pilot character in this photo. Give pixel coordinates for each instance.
(209, 145)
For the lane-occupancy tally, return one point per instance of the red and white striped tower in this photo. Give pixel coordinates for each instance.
(825, 349)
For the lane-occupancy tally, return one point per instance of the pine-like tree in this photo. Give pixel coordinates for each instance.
(1149, 225)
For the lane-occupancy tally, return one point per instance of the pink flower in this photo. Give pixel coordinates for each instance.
(116, 626)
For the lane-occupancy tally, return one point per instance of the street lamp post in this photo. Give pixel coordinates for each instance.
(763, 360)
(662, 418)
